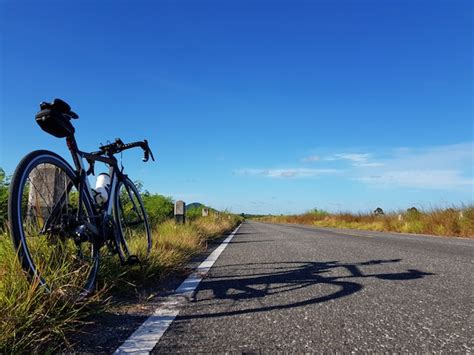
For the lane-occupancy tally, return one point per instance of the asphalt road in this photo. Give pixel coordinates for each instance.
(303, 289)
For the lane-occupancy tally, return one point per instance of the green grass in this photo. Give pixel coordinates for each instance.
(35, 321)
(451, 222)
(30, 317)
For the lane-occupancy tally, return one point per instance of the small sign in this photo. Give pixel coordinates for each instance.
(179, 212)
(179, 208)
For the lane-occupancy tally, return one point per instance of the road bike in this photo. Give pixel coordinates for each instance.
(59, 224)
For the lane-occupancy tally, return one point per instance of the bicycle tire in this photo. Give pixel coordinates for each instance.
(53, 246)
(131, 242)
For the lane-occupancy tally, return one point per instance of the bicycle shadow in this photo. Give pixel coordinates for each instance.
(334, 279)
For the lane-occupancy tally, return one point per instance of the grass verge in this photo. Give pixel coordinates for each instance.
(453, 222)
(35, 321)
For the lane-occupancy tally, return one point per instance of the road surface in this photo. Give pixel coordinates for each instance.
(297, 288)
(302, 289)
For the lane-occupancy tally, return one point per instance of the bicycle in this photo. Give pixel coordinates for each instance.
(59, 224)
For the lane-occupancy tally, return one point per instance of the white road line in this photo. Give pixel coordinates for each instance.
(144, 339)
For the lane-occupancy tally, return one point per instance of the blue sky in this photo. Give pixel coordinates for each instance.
(255, 106)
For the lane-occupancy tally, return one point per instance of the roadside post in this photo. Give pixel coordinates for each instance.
(205, 212)
(180, 212)
(40, 197)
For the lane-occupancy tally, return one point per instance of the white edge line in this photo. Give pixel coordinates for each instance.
(144, 339)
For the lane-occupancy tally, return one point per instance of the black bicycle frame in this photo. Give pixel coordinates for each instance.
(84, 188)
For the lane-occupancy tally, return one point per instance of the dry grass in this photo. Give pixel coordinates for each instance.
(213, 225)
(173, 246)
(453, 222)
(35, 321)
(30, 317)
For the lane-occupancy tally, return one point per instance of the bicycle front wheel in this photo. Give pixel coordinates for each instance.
(44, 217)
(133, 229)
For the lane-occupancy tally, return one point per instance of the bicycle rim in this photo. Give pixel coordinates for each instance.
(44, 222)
(134, 234)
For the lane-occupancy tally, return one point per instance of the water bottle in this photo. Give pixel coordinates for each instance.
(102, 186)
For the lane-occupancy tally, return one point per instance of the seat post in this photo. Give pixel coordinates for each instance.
(72, 146)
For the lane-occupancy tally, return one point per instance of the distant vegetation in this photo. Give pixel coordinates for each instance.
(159, 208)
(194, 210)
(455, 221)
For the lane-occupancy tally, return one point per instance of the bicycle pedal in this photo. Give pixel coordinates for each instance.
(132, 260)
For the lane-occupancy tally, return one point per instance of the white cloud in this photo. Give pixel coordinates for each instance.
(354, 157)
(426, 179)
(368, 165)
(446, 167)
(440, 167)
(287, 173)
(311, 159)
(357, 159)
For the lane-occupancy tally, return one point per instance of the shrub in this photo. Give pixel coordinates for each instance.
(194, 212)
(446, 222)
(378, 211)
(159, 208)
(413, 215)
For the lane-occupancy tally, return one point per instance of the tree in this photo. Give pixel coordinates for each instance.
(413, 214)
(378, 211)
(159, 208)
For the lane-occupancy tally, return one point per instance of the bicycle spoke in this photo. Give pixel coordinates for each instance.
(132, 223)
(46, 227)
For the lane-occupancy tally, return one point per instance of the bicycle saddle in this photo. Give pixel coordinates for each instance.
(60, 106)
(55, 118)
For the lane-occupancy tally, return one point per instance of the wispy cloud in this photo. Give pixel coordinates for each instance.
(439, 167)
(368, 165)
(425, 179)
(354, 157)
(287, 173)
(311, 159)
(357, 159)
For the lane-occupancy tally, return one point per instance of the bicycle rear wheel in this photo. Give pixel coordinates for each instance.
(133, 229)
(44, 216)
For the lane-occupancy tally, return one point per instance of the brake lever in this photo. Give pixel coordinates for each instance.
(147, 152)
(151, 154)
